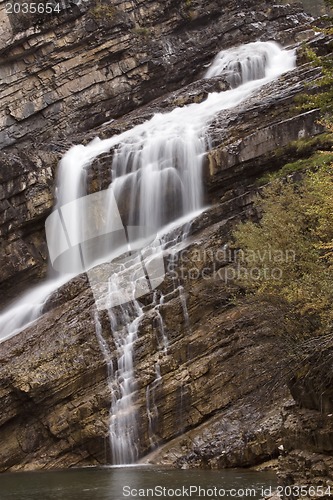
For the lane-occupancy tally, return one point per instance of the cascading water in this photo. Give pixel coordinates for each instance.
(71, 186)
(243, 64)
(123, 429)
(157, 170)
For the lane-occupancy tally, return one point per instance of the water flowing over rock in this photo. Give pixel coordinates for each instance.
(130, 58)
(133, 52)
(243, 64)
(156, 165)
(180, 374)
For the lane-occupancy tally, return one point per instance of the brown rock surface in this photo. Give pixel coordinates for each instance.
(54, 382)
(220, 400)
(74, 70)
(239, 155)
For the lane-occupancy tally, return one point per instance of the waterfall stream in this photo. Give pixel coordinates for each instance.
(157, 169)
(123, 429)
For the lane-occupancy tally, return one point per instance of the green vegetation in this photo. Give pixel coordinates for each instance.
(287, 258)
(312, 152)
(140, 31)
(317, 151)
(323, 98)
(103, 11)
(318, 159)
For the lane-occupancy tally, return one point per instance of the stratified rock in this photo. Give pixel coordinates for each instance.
(219, 401)
(308, 472)
(53, 375)
(26, 198)
(71, 71)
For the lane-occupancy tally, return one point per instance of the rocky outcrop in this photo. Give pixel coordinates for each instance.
(259, 137)
(310, 471)
(55, 400)
(238, 156)
(307, 457)
(220, 401)
(307, 460)
(26, 197)
(73, 70)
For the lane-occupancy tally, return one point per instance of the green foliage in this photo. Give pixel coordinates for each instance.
(323, 99)
(311, 152)
(103, 11)
(287, 257)
(140, 31)
(317, 159)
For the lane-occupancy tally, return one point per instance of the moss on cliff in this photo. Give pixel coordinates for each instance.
(311, 153)
(103, 11)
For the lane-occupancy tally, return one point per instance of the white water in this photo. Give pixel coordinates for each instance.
(123, 418)
(246, 63)
(157, 177)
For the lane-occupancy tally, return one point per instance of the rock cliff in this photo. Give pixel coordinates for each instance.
(86, 65)
(221, 400)
(72, 71)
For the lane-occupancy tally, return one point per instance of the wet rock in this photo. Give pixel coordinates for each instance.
(310, 471)
(220, 399)
(55, 372)
(26, 198)
(66, 96)
(86, 65)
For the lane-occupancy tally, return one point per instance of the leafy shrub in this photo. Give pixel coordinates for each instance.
(295, 239)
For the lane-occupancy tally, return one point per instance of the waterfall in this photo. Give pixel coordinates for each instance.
(123, 418)
(156, 179)
(246, 63)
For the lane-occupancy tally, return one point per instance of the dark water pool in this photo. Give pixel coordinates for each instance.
(117, 483)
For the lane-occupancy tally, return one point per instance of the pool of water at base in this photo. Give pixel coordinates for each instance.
(152, 482)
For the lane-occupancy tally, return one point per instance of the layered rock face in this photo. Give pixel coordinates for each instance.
(88, 64)
(27, 183)
(220, 400)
